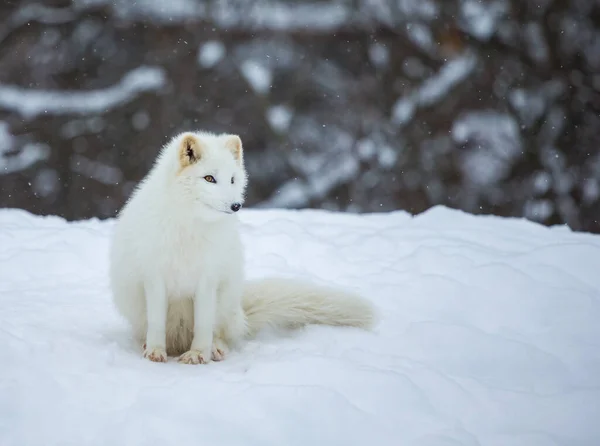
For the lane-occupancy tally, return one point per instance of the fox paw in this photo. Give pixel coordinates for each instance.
(156, 354)
(194, 357)
(219, 350)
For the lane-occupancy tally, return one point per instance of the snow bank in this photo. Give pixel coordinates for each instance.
(489, 336)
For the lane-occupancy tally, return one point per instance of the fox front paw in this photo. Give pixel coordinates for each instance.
(194, 357)
(156, 354)
(219, 350)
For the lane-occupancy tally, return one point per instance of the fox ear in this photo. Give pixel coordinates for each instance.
(234, 144)
(189, 150)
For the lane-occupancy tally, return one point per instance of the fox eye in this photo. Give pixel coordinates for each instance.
(232, 180)
(210, 179)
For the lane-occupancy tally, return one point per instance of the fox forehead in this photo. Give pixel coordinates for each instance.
(217, 166)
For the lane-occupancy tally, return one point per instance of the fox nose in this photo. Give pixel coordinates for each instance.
(235, 207)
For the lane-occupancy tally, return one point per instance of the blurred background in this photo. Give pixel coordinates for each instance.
(490, 106)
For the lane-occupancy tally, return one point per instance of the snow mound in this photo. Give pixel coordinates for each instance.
(489, 336)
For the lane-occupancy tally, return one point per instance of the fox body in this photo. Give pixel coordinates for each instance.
(176, 260)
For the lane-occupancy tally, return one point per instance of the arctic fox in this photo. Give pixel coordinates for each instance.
(176, 260)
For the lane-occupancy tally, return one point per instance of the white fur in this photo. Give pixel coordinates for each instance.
(176, 261)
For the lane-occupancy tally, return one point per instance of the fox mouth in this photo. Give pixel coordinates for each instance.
(223, 211)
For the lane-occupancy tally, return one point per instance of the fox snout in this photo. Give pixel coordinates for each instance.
(236, 207)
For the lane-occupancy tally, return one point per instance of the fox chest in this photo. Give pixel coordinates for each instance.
(193, 265)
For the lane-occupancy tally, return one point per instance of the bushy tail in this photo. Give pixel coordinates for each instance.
(291, 303)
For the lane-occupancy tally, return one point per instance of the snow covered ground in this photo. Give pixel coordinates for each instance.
(490, 335)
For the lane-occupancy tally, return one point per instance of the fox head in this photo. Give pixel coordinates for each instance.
(211, 172)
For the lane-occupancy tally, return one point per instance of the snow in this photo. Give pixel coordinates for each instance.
(489, 336)
(403, 110)
(379, 54)
(419, 9)
(280, 117)
(296, 193)
(286, 16)
(495, 142)
(154, 10)
(30, 153)
(435, 88)
(480, 19)
(420, 35)
(538, 210)
(387, 156)
(450, 75)
(30, 103)
(541, 182)
(6, 144)
(45, 183)
(591, 190)
(211, 53)
(41, 13)
(96, 170)
(140, 120)
(531, 104)
(537, 48)
(278, 15)
(257, 75)
(78, 127)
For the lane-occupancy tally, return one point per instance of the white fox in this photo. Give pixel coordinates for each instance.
(176, 260)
